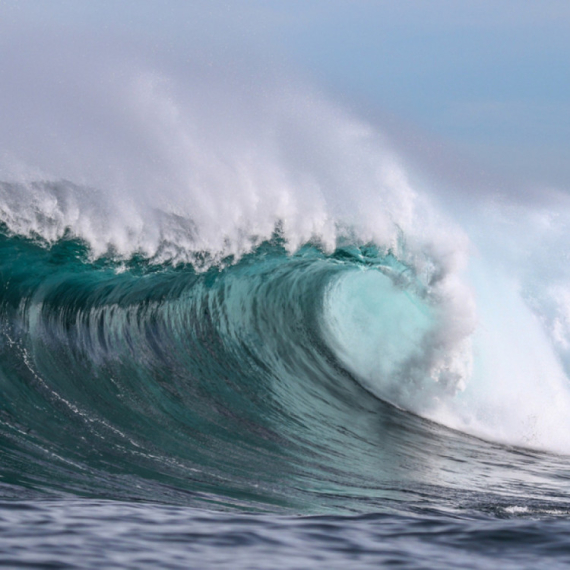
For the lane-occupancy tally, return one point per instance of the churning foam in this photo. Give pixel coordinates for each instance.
(174, 163)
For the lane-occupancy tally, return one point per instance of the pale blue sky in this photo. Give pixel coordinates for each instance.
(488, 80)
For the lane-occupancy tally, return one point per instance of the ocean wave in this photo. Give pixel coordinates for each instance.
(279, 380)
(243, 297)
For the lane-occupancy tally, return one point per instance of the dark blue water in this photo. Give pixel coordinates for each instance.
(104, 534)
(158, 416)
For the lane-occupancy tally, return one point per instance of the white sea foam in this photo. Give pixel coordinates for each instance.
(172, 161)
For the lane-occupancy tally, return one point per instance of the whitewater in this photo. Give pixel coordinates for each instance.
(237, 328)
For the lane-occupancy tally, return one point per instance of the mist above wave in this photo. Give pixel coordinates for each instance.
(229, 151)
(193, 160)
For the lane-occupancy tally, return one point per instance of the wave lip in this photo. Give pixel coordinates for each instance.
(243, 386)
(388, 335)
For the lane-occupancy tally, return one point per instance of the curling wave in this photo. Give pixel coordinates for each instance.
(251, 304)
(197, 380)
(268, 381)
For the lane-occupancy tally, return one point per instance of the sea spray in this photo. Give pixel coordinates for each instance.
(181, 168)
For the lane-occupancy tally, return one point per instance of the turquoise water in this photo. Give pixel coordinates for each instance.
(237, 330)
(156, 415)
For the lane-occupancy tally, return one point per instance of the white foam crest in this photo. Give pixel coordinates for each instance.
(171, 165)
(487, 354)
(519, 391)
(406, 343)
(171, 161)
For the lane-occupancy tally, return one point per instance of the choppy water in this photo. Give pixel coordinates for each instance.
(101, 534)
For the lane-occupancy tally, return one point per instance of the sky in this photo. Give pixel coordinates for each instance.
(475, 90)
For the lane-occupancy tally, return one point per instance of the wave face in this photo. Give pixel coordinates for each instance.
(223, 381)
(223, 295)
(279, 380)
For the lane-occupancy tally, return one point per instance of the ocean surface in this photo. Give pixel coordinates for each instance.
(238, 331)
(154, 415)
